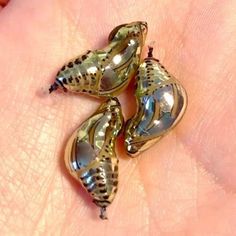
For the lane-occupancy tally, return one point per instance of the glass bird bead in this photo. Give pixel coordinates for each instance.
(161, 103)
(108, 71)
(90, 155)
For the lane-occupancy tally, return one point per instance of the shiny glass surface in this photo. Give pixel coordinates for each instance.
(161, 104)
(90, 153)
(105, 72)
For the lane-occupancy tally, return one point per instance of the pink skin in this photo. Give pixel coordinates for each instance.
(184, 185)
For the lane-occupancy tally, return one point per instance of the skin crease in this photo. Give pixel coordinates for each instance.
(184, 185)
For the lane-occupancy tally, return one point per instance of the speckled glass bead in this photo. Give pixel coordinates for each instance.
(90, 153)
(108, 71)
(161, 103)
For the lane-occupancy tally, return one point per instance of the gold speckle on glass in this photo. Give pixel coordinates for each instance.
(105, 72)
(161, 101)
(90, 153)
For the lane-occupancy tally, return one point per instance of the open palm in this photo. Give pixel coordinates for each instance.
(183, 185)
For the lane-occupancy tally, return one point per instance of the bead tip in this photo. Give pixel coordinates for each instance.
(103, 214)
(150, 50)
(53, 87)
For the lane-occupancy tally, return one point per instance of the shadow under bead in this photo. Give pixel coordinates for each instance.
(161, 102)
(106, 72)
(90, 153)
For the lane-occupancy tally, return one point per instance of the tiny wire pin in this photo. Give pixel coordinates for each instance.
(103, 214)
(150, 50)
(53, 87)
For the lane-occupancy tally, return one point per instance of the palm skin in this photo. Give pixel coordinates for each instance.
(183, 185)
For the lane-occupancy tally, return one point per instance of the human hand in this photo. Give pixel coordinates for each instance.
(183, 185)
